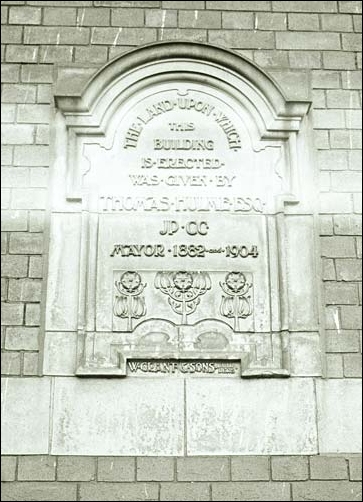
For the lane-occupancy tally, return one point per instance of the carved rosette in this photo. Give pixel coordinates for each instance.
(183, 289)
(129, 304)
(236, 304)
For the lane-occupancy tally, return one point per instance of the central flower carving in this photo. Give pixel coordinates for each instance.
(183, 281)
(183, 290)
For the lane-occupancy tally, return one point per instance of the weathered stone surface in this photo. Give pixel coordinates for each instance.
(25, 417)
(305, 354)
(251, 417)
(302, 315)
(109, 417)
(60, 353)
(339, 415)
(61, 309)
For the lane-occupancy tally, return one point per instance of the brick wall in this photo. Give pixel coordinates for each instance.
(166, 478)
(321, 36)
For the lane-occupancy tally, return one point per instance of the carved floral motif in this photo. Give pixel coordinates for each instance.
(236, 304)
(130, 304)
(183, 289)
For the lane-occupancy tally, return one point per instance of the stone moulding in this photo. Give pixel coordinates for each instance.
(88, 114)
(88, 109)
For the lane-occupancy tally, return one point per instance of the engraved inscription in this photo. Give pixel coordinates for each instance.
(183, 368)
(181, 251)
(191, 227)
(191, 103)
(195, 181)
(181, 163)
(112, 203)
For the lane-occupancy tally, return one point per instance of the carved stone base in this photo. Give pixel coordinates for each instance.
(257, 354)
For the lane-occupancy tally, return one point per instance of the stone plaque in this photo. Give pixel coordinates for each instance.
(185, 184)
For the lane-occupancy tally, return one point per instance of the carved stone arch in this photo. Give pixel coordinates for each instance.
(88, 112)
(107, 137)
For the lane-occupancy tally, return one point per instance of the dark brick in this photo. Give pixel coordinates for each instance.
(203, 469)
(250, 468)
(352, 364)
(11, 34)
(122, 36)
(56, 35)
(322, 467)
(190, 4)
(10, 364)
(192, 35)
(340, 293)
(36, 468)
(307, 41)
(250, 491)
(8, 468)
(354, 7)
(116, 469)
(349, 269)
(12, 314)
(242, 39)
(127, 17)
(202, 19)
(76, 469)
(118, 491)
(155, 469)
(234, 5)
(161, 18)
(327, 490)
(289, 468)
(342, 341)
(59, 16)
(93, 17)
(184, 491)
(355, 468)
(25, 243)
(10, 73)
(305, 6)
(39, 491)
